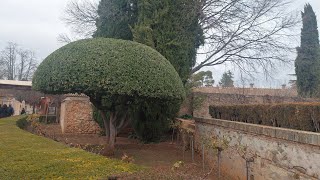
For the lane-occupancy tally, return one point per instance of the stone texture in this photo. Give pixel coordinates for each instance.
(76, 116)
(278, 153)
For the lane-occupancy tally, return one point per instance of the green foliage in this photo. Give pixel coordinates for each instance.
(186, 116)
(308, 59)
(151, 120)
(176, 34)
(114, 74)
(202, 78)
(27, 156)
(116, 18)
(198, 100)
(108, 67)
(172, 28)
(22, 122)
(227, 79)
(97, 117)
(300, 116)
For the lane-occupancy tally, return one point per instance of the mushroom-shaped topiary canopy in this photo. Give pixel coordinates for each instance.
(122, 79)
(108, 66)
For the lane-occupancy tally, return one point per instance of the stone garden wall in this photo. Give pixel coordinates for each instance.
(76, 116)
(268, 152)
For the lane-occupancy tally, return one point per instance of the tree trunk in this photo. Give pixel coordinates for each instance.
(106, 124)
(113, 130)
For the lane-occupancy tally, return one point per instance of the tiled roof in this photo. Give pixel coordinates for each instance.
(16, 83)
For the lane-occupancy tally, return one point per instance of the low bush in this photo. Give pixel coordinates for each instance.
(300, 116)
(22, 123)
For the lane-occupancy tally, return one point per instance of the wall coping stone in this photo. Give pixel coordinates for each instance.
(304, 137)
(77, 98)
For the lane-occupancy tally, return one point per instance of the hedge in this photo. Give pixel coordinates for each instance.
(300, 116)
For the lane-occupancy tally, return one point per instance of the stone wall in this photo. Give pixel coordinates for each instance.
(268, 152)
(76, 116)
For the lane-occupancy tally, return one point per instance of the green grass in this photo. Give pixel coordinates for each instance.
(27, 156)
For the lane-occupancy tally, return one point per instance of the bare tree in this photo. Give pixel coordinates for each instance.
(251, 34)
(27, 65)
(17, 64)
(8, 59)
(81, 17)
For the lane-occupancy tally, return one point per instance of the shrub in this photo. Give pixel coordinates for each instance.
(300, 116)
(22, 123)
(152, 118)
(115, 74)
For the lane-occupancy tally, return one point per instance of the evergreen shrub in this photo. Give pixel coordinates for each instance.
(300, 116)
(116, 74)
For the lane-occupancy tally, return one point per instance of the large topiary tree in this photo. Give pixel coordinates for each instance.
(119, 76)
(308, 59)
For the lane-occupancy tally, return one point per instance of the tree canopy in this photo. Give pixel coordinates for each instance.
(108, 66)
(202, 78)
(173, 29)
(115, 19)
(308, 60)
(227, 79)
(116, 74)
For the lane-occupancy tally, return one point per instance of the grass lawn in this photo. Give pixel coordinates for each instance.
(27, 156)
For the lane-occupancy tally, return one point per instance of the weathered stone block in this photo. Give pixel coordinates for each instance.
(76, 116)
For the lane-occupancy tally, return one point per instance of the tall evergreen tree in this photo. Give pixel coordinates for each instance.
(116, 18)
(227, 79)
(172, 28)
(307, 62)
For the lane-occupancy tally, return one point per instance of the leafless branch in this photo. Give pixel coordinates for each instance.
(17, 64)
(250, 34)
(81, 17)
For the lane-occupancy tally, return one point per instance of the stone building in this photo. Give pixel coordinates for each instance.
(8, 95)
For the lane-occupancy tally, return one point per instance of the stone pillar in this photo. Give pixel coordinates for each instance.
(76, 115)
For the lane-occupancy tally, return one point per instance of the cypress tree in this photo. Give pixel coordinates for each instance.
(172, 28)
(115, 19)
(307, 61)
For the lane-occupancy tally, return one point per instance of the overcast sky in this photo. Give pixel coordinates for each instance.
(36, 24)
